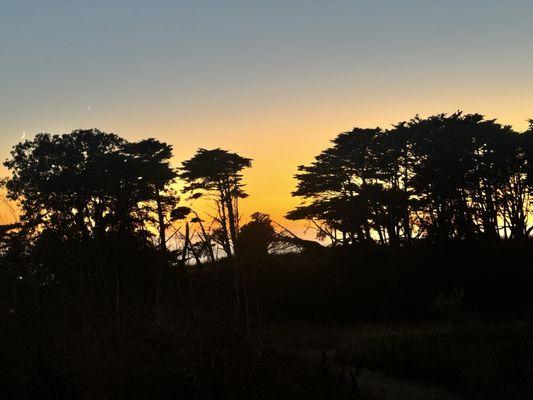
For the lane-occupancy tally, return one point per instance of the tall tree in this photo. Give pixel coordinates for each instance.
(148, 161)
(217, 174)
(462, 174)
(343, 188)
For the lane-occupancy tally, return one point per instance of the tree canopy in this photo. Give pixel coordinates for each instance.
(89, 183)
(443, 177)
(218, 173)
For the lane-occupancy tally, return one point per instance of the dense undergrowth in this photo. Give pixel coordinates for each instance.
(479, 361)
(147, 354)
(192, 343)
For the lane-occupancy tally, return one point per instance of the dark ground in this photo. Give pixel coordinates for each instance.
(420, 322)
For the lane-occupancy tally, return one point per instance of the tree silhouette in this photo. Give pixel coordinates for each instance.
(90, 183)
(217, 174)
(150, 160)
(469, 175)
(257, 236)
(445, 177)
(343, 186)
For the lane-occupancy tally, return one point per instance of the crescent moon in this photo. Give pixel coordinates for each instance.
(23, 136)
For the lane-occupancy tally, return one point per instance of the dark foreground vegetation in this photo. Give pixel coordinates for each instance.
(114, 287)
(56, 345)
(479, 360)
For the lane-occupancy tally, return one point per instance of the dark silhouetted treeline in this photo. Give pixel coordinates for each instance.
(125, 277)
(445, 177)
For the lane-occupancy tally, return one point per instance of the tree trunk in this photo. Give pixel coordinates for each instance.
(162, 225)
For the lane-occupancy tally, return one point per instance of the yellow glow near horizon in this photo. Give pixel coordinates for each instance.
(278, 146)
(271, 80)
(279, 143)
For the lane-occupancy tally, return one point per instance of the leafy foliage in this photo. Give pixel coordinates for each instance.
(218, 173)
(89, 183)
(444, 177)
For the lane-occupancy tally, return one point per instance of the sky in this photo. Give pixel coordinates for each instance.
(272, 80)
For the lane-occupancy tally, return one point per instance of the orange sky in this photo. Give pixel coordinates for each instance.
(280, 139)
(273, 81)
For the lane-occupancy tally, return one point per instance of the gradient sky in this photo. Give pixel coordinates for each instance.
(272, 80)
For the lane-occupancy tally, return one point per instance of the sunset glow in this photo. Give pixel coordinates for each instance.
(273, 81)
